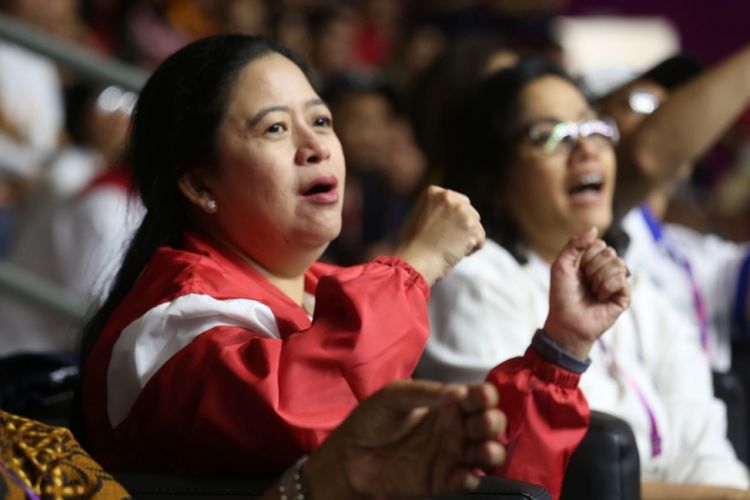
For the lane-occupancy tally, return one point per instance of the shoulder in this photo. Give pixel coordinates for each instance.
(490, 270)
(489, 262)
(697, 244)
(172, 273)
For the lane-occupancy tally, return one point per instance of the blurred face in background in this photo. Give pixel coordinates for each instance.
(376, 140)
(244, 16)
(632, 103)
(362, 123)
(335, 43)
(558, 189)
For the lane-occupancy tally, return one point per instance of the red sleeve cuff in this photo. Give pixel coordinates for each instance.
(415, 277)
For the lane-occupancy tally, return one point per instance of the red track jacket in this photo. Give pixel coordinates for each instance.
(205, 366)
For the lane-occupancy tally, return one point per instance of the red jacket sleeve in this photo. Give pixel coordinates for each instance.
(232, 400)
(547, 419)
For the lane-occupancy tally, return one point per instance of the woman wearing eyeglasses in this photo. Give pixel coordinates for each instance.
(540, 166)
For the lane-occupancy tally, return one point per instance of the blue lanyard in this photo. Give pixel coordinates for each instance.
(699, 305)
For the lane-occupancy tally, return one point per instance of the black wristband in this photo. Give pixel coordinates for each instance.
(550, 351)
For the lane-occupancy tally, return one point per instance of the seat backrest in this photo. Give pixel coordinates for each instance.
(605, 464)
(730, 389)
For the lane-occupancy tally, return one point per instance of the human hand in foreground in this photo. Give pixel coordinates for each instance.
(589, 290)
(443, 229)
(412, 438)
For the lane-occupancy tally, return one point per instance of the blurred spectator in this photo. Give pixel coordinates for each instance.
(731, 197)
(440, 92)
(31, 116)
(384, 166)
(710, 292)
(422, 48)
(293, 30)
(377, 31)
(149, 36)
(250, 17)
(334, 33)
(71, 238)
(104, 19)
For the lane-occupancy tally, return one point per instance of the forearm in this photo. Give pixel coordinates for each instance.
(683, 128)
(547, 418)
(321, 476)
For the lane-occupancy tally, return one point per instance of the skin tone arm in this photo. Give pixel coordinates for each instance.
(682, 129)
(413, 438)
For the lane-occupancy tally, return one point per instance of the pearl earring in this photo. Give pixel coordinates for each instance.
(211, 205)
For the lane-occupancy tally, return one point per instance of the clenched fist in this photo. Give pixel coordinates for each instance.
(443, 229)
(589, 289)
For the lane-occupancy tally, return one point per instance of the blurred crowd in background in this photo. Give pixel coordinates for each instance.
(391, 70)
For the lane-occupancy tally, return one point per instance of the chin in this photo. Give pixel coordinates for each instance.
(601, 219)
(321, 236)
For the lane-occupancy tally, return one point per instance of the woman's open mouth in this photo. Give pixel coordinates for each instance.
(321, 190)
(586, 188)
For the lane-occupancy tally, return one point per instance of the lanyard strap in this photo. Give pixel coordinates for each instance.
(699, 305)
(615, 367)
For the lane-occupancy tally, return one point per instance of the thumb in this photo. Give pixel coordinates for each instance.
(576, 246)
(407, 395)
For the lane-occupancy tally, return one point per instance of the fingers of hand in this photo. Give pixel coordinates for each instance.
(404, 396)
(597, 257)
(583, 240)
(477, 242)
(595, 254)
(486, 455)
(486, 425)
(480, 397)
(575, 247)
(456, 209)
(609, 278)
(462, 479)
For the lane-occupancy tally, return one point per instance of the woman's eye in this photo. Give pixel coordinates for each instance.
(276, 128)
(323, 121)
(541, 138)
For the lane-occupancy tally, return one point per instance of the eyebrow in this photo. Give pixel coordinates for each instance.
(252, 122)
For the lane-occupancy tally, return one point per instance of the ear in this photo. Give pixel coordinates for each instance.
(193, 187)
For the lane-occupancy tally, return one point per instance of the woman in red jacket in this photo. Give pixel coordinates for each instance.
(224, 345)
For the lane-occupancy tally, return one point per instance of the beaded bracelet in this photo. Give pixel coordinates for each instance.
(291, 486)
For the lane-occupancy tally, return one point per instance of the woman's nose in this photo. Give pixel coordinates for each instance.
(587, 146)
(312, 149)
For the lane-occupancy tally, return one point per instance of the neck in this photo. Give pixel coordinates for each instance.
(548, 253)
(658, 203)
(293, 286)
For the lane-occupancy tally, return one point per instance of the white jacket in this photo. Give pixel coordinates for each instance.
(715, 264)
(487, 309)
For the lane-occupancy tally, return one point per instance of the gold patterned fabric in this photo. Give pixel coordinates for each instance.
(39, 461)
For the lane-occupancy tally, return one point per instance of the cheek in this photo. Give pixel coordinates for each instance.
(536, 180)
(337, 155)
(609, 159)
(256, 184)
